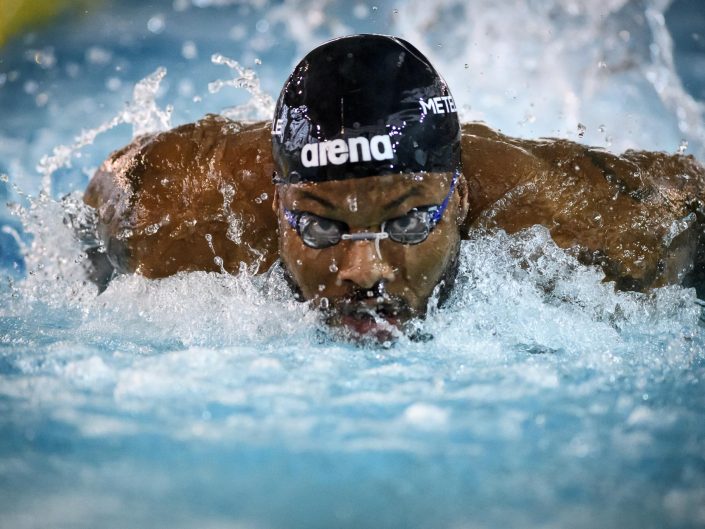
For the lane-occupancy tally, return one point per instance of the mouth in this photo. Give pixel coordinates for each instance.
(380, 326)
(381, 321)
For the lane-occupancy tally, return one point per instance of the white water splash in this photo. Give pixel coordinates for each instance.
(260, 106)
(142, 112)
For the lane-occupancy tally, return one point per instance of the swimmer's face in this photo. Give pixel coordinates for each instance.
(370, 286)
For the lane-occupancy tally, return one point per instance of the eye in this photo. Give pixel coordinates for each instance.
(412, 228)
(319, 232)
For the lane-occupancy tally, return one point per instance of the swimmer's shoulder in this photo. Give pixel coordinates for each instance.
(171, 201)
(209, 142)
(494, 164)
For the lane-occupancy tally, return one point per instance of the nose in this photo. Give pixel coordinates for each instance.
(362, 266)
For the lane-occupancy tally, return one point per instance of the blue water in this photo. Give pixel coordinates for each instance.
(545, 399)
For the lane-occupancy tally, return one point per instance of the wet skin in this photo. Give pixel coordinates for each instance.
(361, 288)
(207, 187)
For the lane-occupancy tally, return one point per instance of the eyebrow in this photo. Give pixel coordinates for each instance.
(322, 201)
(400, 200)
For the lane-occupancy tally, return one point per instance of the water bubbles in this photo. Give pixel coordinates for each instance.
(683, 146)
(321, 287)
(156, 24)
(238, 32)
(258, 61)
(361, 11)
(4, 178)
(98, 56)
(581, 130)
(189, 50)
(113, 84)
(45, 57)
(30, 87)
(324, 303)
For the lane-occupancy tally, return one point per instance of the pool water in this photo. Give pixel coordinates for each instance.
(544, 398)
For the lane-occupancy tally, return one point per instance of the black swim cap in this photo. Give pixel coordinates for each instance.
(364, 105)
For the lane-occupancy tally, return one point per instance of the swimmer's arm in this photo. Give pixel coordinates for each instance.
(197, 197)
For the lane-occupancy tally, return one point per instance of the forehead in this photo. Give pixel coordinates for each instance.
(375, 190)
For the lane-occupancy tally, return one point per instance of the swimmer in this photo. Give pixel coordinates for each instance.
(364, 183)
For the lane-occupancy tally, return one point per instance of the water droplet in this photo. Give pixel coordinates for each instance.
(209, 237)
(467, 66)
(152, 229)
(189, 50)
(602, 65)
(333, 267)
(98, 55)
(262, 26)
(299, 262)
(370, 293)
(258, 61)
(601, 128)
(31, 87)
(164, 182)
(361, 11)
(218, 261)
(156, 24)
(321, 288)
(395, 11)
(683, 146)
(581, 130)
(4, 178)
(352, 203)
(374, 8)
(125, 234)
(324, 303)
(113, 84)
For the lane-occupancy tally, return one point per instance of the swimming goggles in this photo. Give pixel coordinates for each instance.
(412, 228)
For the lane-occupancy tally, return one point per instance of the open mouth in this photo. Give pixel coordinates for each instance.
(378, 320)
(370, 325)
